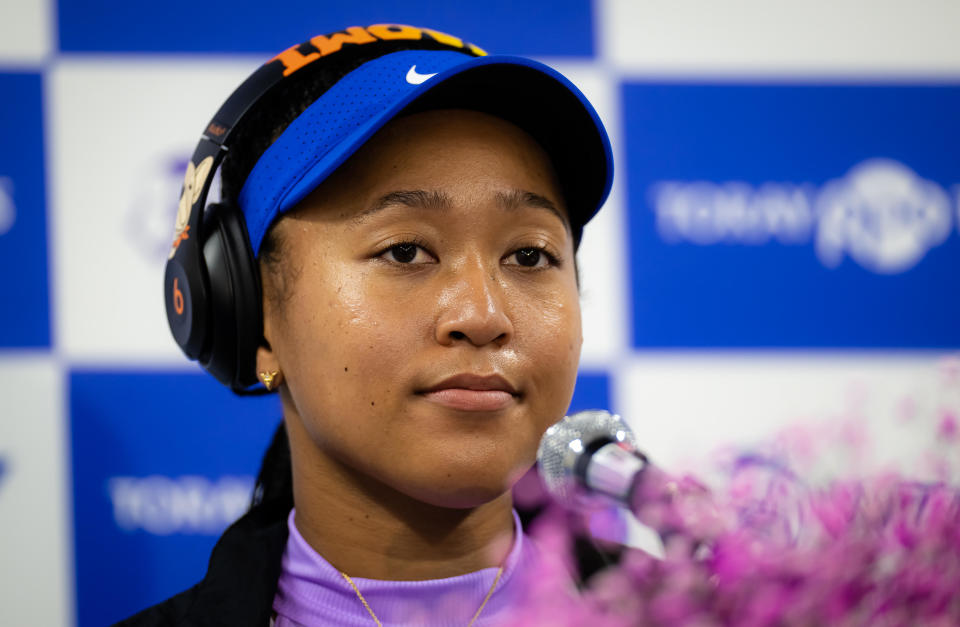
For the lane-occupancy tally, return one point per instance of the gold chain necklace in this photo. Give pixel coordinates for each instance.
(496, 580)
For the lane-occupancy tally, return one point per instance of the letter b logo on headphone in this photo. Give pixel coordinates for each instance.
(177, 297)
(179, 305)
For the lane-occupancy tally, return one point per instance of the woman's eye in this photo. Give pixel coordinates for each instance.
(530, 258)
(407, 252)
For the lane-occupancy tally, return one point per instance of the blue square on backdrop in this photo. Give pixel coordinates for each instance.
(592, 391)
(820, 216)
(536, 28)
(25, 313)
(162, 463)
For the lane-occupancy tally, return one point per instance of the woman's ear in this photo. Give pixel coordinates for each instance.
(268, 367)
(266, 359)
(268, 362)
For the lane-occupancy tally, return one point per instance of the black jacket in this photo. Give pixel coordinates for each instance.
(241, 578)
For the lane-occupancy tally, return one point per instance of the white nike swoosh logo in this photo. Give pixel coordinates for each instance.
(415, 78)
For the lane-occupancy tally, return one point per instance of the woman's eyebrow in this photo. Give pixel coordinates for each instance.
(415, 199)
(511, 200)
(518, 198)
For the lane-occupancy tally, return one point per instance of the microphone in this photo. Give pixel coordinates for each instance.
(590, 459)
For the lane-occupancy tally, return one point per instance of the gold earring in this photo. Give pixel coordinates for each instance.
(270, 379)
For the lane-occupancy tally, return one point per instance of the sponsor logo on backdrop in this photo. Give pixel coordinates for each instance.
(188, 504)
(8, 211)
(881, 214)
(151, 211)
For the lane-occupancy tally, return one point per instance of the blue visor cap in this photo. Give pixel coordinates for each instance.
(528, 94)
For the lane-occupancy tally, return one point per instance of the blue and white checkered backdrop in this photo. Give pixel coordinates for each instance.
(781, 245)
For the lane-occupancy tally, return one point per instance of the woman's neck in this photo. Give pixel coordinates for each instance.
(367, 529)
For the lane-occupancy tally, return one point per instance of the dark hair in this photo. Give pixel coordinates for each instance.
(275, 479)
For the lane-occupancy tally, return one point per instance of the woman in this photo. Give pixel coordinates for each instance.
(408, 211)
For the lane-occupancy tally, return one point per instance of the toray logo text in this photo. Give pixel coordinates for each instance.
(882, 214)
(189, 504)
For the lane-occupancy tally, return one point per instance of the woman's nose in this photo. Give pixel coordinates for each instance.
(474, 310)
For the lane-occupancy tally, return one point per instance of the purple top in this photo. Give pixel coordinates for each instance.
(312, 592)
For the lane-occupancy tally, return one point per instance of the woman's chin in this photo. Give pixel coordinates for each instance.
(465, 490)
(466, 498)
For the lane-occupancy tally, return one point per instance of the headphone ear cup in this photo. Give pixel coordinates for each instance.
(185, 297)
(236, 320)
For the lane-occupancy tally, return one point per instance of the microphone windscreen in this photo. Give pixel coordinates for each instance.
(566, 442)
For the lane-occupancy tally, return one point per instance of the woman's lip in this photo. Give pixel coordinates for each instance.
(475, 383)
(472, 392)
(470, 400)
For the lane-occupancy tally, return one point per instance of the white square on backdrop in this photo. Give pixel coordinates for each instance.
(26, 31)
(685, 408)
(121, 132)
(35, 517)
(780, 39)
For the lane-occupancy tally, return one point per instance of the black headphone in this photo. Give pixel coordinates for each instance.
(211, 284)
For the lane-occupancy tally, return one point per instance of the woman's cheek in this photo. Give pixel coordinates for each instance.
(373, 343)
(553, 352)
(558, 321)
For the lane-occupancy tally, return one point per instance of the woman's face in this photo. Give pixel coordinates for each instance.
(424, 309)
